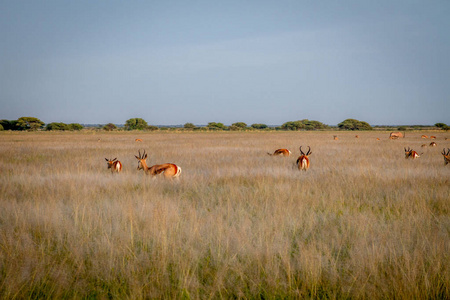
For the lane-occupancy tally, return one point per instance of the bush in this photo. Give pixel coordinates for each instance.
(109, 127)
(56, 126)
(75, 126)
(152, 128)
(1, 128)
(259, 126)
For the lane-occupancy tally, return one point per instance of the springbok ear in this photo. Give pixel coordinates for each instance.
(114, 159)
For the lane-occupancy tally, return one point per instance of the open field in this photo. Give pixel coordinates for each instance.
(362, 222)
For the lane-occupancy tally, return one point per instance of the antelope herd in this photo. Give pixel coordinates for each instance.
(170, 170)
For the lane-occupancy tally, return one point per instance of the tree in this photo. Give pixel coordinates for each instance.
(216, 126)
(238, 126)
(189, 126)
(29, 123)
(109, 127)
(259, 126)
(303, 125)
(9, 125)
(136, 124)
(1, 127)
(440, 125)
(352, 124)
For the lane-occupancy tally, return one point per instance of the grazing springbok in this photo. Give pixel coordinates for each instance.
(396, 135)
(357, 136)
(424, 136)
(446, 156)
(303, 160)
(433, 144)
(335, 137)
(411, 153)
(423, 145)
(138, 140)
(114, 165)
(280, 152)
(378, 139)
(169, 170)
(432, 137)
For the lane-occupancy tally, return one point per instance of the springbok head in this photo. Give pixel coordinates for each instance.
(446, 156)
(303, 160)
(141, 160)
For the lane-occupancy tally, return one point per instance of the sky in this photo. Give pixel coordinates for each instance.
(173, 62)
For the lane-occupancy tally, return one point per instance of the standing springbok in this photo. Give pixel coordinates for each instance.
(446, 156)
(411, 153)
(303, 160)
(170, 170)
(280, 152)
(114, 165)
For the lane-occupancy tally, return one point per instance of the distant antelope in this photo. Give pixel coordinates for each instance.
(446, 156)
(170, 170)
(280, 152)
(424, 145)
(114, 165)
(433, 144)
(357, 136)
(432, 137)
(396, 135)
(424, 136)
(335, 137)
(303, 160)
(138, 140)
(411, 153)
(378, 139)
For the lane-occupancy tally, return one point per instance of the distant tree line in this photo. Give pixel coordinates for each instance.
(33, 124)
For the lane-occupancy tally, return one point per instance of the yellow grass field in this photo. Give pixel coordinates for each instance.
(362, 223)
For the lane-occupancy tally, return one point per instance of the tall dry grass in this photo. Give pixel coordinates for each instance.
(362, 222)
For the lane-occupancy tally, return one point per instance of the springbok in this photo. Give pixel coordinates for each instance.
(446, 156)
(138, 140)
(433, 144)
(378, 139)
(432, 137)
(411, 153)
(169, 170)
(396, 135)
(335, 137)
(423, 145)
(280, 152)
(114, 165)
(424, 136)
(303, 159)
(357, 136)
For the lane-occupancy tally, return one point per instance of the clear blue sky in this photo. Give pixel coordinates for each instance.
(172, 62)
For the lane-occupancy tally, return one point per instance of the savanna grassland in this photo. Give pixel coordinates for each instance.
(362, 223)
